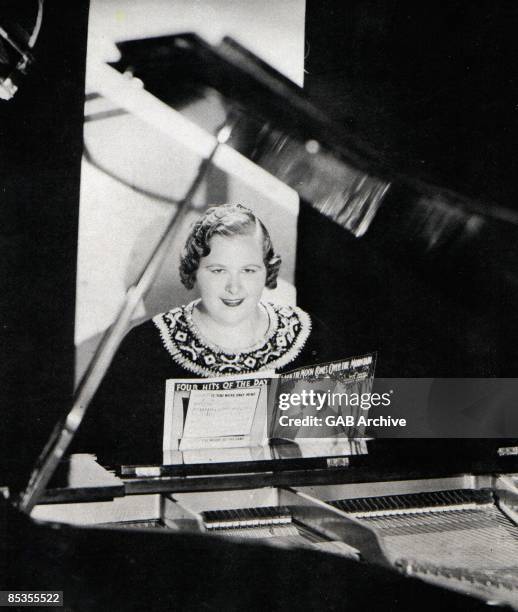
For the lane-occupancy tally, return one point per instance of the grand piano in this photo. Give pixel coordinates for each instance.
(376, 523)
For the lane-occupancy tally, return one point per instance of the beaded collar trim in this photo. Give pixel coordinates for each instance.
(288, 332)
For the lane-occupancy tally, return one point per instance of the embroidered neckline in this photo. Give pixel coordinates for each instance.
(289, 330)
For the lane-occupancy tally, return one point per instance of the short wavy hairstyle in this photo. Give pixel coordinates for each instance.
(225, 220)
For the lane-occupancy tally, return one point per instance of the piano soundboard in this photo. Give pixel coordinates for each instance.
(454, 537)
(463, 538)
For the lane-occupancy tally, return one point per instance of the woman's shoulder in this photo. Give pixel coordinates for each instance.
(139, 347)
(315, 341)
(290, 319)
(307, 339)
(174, 328)
(310, 326)
(175, 319)
(141, 335)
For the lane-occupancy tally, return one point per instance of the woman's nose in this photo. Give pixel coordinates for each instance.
(233, 284)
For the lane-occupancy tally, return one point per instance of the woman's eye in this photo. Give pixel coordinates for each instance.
(216, 270)
(249, 270)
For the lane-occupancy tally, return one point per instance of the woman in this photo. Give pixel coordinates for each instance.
(229, 257)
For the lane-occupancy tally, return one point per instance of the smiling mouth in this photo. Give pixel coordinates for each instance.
(233, 303)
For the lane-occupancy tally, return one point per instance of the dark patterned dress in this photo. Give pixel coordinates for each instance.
(125, 419)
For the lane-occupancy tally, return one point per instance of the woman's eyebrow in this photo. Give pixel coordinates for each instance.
(218, 265)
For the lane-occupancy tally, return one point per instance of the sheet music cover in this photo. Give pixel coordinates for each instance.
(327, 400)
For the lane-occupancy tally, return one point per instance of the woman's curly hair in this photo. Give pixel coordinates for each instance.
(225, 220)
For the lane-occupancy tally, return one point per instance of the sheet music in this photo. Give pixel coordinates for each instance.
(217, 412)
(220, 413)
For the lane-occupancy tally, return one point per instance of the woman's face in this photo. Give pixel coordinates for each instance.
(231, 278)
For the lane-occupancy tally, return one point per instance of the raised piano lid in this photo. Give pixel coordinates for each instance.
(281, 129)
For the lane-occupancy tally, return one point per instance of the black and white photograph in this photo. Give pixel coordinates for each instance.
(259, 305)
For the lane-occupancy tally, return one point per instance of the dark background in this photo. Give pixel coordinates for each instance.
(40, 153)
(430, 86)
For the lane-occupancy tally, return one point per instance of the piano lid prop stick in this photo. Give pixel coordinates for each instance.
(66, 428)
